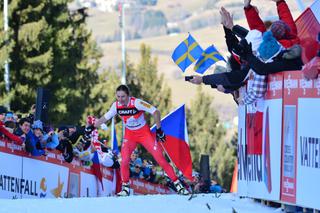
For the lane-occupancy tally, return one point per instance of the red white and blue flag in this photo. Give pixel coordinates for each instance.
(174, 126)
(96, 167)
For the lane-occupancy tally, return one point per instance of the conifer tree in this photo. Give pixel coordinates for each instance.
(146, 83)
(52, 49)
(205, 131)
(223, 161)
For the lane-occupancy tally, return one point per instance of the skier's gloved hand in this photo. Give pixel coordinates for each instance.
(161, 137)
(89, 129)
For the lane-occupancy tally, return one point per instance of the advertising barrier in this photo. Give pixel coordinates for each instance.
(302, 100)
(259, 133)
(24, 176)
(285, 165)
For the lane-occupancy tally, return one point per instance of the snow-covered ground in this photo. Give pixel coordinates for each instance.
(139, 204)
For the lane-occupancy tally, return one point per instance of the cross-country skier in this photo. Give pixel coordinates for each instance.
(132, 110)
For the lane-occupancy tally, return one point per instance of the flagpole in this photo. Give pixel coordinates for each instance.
(171, 161)
(6, 62)
(112, 133)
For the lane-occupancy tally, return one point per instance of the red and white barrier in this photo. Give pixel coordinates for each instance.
(24, 176)
(285, 165)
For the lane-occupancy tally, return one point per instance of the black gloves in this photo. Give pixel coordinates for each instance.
(87, 132)
(243, 49)
(161, 137)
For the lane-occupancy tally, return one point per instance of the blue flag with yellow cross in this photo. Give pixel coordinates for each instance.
(210, 56)
(186, 53)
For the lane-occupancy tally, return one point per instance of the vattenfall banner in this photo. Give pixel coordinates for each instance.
(23, 176)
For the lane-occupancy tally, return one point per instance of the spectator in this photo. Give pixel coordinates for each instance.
(8, 132)
(10, 126)
(216, 188)
(9, 116)
(51, 138)
(33, 140)
(271, 57)
(134, 159)
(284, 30)
(3, 111)
(137, 172)
(75, 132)
(65, 145)
(24, 127)
(146, 169)
(236, 72)
(153, 174)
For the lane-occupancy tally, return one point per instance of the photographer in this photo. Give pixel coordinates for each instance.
(51, 138)
(65, 145)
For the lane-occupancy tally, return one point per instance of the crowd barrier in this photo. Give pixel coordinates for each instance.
(279, 137)
(24, 176)
(279, 143)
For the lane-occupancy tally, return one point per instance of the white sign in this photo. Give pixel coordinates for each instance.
(89, 185)
(259, 173)
(12, 185)
(242, 182)
(46, 180)
(315, 7)
(308, 153)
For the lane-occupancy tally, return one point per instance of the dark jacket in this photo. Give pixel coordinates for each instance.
(288, 60)
(232, 80)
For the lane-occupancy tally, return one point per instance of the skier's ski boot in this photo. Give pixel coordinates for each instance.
(180, 188)
(125, 190)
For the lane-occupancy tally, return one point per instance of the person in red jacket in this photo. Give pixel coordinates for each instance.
(284, 30)
(137, 131)
(12, 137)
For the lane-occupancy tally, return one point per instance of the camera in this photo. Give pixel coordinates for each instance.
(188, 78)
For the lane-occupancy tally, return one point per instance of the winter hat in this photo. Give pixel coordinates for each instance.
(255, 38)
(269, 46)
(37, 125)
(9, 115)
(279, 29)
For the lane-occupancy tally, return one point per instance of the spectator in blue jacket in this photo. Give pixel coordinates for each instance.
(33, 144)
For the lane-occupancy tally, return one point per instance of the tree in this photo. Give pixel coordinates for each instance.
(224, 160)
(53, 49)
(145, 82)
(205, 131)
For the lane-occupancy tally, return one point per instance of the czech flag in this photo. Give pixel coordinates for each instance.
(174, 126)
(96, 167)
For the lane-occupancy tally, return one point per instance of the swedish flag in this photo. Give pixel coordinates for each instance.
(208, 57)
(186, 53)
